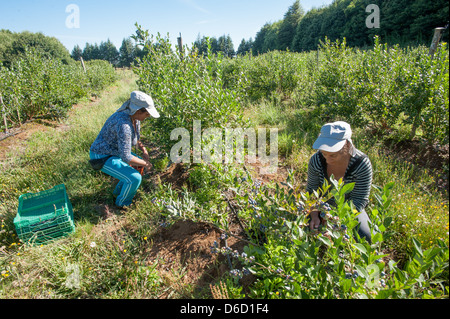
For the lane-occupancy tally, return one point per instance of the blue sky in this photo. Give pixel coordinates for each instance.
(101, 20)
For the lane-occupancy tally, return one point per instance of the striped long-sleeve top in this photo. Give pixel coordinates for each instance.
(359, 171)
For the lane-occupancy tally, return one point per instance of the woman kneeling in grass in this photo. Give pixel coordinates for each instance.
(338, 157)
(114, 143)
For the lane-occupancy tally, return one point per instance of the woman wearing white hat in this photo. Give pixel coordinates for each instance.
(111, 151)
(338, 157)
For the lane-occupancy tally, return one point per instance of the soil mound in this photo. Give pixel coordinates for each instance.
(185, 248)
(176, 174)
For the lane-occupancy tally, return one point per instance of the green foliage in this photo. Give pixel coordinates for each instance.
(223, 45)
(333, 262)
(287, 260)
(18, 43)
(6, 38)
(402, 22)
(274, 73)
(99, 74)
(185, 87)
(414, 87)
(245, 47)
(127, 53)
(289, 25)
(77, 53)
(109, 52)
(39, 86)
(386, 88)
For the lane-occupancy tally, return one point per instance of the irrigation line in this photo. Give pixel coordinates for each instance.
(234, 212)
(228, 256)
(9, 135)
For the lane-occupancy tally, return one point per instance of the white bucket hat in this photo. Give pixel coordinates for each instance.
(137, 101)
(333, 137)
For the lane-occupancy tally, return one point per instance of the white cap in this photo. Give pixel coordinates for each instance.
(141, 100)
(333, 137)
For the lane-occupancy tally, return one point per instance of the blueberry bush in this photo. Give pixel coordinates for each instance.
(185, 86)
(384, 87)
(36, 85)
(414, 88)
(288, 260)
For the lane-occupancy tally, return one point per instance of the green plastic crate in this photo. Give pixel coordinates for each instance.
(46, 235)
(44, 216)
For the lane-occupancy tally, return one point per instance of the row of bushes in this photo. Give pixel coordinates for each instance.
(40, 86)
(386, 88)
(383, 87)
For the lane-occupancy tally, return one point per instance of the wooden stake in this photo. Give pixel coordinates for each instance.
(82, 63)
(18, 112)
(4, 113)
(180, 45)
(436, 39)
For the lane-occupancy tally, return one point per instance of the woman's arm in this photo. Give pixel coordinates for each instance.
(144, 150)
(314, 182)
(315, 174)
(136, 161)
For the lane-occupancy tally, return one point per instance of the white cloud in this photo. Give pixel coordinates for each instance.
(193, 4)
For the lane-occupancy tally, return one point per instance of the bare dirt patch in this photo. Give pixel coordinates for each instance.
(14, 140)
(176, 174)
(185, 248)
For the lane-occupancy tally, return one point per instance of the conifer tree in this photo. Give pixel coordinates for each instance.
(289, 25)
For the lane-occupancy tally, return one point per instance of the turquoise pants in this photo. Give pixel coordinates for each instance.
(129, 178)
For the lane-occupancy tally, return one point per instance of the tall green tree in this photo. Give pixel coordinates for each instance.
(259, 39)
(402, 22)
(308, 31)
(127, 53)
(91, 52)
(245, 46)
(271, 41)
(289, 25)
(223, 44)
(77, 53)
(6, 38)
(108, 52)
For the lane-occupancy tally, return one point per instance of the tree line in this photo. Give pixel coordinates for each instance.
(402, 22)
(123, 57)
(14, 45)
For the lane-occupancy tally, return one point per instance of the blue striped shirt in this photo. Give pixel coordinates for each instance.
(361, 175)
(117, 137)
